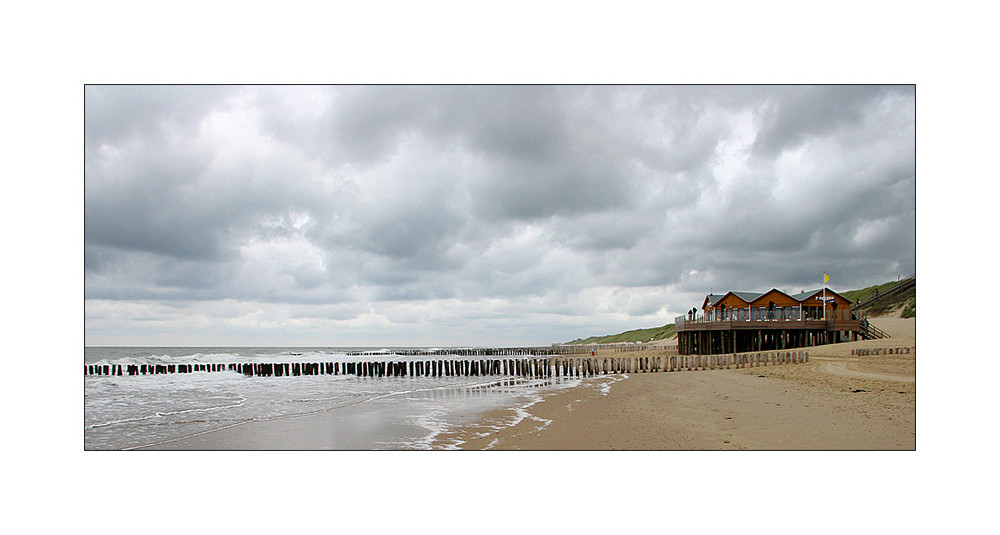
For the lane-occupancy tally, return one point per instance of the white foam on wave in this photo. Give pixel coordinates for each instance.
(140, 411)
(226, 358)
(605, 386)
(162, 414)
(520, 412)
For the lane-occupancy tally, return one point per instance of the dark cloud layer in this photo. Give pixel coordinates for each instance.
(441, 214)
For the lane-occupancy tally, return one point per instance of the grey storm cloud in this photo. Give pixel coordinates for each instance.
(367, 208)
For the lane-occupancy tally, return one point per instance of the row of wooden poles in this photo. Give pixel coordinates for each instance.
(864, 351)
(531, 367)
(288, 369)
(554, 350)
(535, 367)
(464, 352)
(616, 348)
(625, 348)
(711, 362)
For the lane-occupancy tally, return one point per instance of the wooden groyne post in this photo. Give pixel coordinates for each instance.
(531, 366)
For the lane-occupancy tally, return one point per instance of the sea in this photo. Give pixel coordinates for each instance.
(186, 410)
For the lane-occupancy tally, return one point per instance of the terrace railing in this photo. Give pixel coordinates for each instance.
(680, 321)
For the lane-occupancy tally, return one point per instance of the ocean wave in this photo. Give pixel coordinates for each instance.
(166, 413)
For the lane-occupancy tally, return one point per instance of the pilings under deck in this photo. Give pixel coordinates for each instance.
(712, 338)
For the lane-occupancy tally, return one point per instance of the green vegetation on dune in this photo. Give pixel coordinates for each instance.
(865, 293)
(907, 299)
(637, 335)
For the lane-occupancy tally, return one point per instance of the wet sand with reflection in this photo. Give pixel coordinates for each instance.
(401, 421)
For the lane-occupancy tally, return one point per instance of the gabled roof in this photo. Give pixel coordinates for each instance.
(806, 295)
(772, 290)
(713, 299)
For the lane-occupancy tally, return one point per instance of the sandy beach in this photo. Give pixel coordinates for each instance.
(836, 401)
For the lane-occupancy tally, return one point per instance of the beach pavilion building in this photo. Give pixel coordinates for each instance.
(736, 322)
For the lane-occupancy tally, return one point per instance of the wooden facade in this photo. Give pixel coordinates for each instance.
(762, 321)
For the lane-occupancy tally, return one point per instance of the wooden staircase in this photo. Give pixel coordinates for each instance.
(871, 332)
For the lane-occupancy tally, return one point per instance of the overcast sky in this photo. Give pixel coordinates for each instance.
(478, 215)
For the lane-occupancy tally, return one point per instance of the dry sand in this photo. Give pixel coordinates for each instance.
(836, 401)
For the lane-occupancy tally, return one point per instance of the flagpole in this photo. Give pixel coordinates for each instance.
(824, 296)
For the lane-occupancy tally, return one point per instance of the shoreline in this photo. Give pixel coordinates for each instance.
(381, 423)
(836, 401)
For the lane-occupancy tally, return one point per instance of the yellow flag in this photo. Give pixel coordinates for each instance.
(826, 278)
